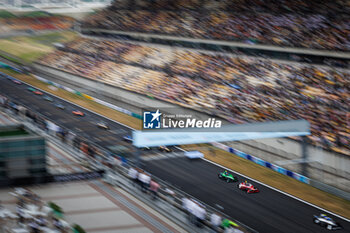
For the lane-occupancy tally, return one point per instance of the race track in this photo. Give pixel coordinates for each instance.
(268, 211)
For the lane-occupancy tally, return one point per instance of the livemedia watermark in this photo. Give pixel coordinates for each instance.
(177, 119)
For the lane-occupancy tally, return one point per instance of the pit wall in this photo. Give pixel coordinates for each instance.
(340, 188)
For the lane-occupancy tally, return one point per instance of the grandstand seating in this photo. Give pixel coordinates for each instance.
(315, 24)
(241, 89)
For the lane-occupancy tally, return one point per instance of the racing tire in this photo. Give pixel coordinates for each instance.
(228, 180)
(316, 221)
(329, 227)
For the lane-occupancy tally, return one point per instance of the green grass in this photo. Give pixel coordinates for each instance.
(11, 58)
(32, 56)
(31, 48)
(5, 14)
(50, 38)
(35, 14)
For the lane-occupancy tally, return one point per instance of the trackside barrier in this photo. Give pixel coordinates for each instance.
(263, 163)
(118, 173)
(241, 154)
(104, 103)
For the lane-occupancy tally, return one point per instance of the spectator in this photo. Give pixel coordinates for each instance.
(229, 229)
(147, 182)
(143, 179)
(20, 214)
(133, 175)
(41, 221)
(186, 203)
(57, 223)
(215, 221)
(200, 214)
(319, 25)
(239, 89)
(154, 186)
(171, 194)
(34, 226)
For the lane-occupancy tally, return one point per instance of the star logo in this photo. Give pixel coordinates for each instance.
(156, 115)
(151, 120)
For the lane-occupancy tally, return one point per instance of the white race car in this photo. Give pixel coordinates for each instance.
(102, 125)
(325, 221)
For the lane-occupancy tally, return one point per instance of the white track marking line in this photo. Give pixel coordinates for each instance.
(126, 126)
(287, 194)
(275, 189)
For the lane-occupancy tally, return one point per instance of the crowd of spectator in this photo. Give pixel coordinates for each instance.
(78, 142)
(241, 89)
(309, 24)
(32, 215)
(17, 24)
(144, 181)
(196, 211)
(275, 6)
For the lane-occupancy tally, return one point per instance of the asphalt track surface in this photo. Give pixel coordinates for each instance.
(268, 211)
(85, 126)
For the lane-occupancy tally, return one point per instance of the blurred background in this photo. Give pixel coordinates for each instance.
(241, 61)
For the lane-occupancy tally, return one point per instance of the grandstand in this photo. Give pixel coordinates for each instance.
(215, 59)
(238, 88)
(317, 24)
(232, 85)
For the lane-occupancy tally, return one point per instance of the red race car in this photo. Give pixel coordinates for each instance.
(38, 93)
(78, 113)
(248, 187)
(17, 82)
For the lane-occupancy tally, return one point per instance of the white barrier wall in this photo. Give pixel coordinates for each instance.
(329, 173)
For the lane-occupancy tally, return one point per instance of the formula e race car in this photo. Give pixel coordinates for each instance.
(78, 113)
(60, 106)
(325, 221)
(48, 98)
(127, 138)
(38, 92)
(16, 81)
(102, 125)
(227, 177)
(248, 187)
(164, 149)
